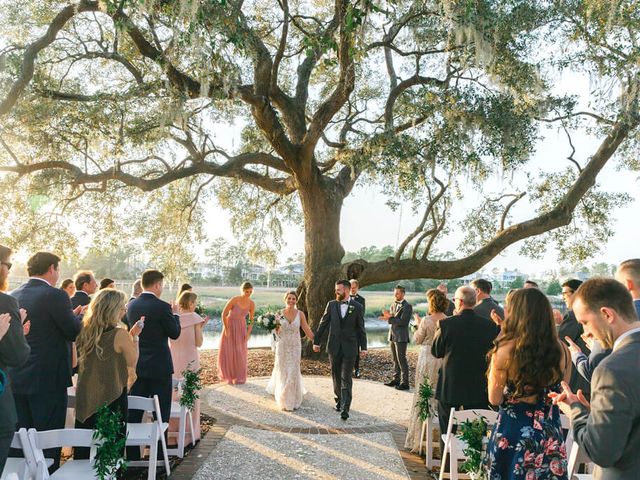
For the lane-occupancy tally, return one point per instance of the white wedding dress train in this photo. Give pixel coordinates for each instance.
(285, 383)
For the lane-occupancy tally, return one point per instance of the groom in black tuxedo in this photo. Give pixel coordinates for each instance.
(344, 320)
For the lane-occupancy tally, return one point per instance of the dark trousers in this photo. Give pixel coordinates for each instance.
(341, 373)
(400, 364)
(444, 412)
(356, 366)
(42, 411)
(148, 387)
(5, 443)
(119, 405)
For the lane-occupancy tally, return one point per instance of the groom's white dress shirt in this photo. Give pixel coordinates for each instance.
(343, 309)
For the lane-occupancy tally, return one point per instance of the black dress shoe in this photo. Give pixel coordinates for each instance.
(356, 373)
(344, 415)
(392, 383)
(338, 406)
(402, 386)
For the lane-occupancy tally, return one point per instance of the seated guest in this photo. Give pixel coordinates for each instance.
(107, 283)
(155, 367)
(107, 353)
(527, 363)
(86, 285)
(68, 286)
(184, 352)
(485, 302)
(14, 351)
(463, 341)
(628, 273)
(569, 327)
(40, 385)
(608, 429)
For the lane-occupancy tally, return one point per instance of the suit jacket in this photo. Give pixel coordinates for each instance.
(53, 327)
(586, 364)
(14, 351)
(572, 329)
(160, 325)
(610, 433)
(450, 308)
(463, 341)
(345, 334)
(486, 305)
(80, 298)
(360, 299)
(399, 322)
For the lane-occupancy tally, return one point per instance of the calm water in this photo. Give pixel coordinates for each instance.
(376, 335)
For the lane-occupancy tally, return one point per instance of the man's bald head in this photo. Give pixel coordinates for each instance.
(466, 296)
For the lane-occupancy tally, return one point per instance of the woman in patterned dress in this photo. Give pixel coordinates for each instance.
(527, 363)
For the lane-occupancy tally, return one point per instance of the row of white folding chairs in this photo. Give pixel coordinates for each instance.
(454, 446)
(34, 465)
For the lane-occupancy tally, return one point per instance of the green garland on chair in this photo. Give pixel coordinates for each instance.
(472, 432)
(107, 434)
(191, 385)
(424, 402)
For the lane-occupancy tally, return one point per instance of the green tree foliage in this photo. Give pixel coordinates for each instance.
(554, 287)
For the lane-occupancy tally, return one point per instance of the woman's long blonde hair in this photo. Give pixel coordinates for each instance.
(105, 310)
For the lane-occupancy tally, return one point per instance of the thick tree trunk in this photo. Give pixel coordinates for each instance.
(322, 205)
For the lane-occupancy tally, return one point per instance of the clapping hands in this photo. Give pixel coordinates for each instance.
(26, 324)
(497, 319)
(5, 322)
(386, 315)
(573, 347)
(566, 398)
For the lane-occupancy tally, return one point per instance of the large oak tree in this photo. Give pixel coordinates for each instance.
(105, 101)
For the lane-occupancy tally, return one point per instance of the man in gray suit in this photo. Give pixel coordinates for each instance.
(343, 320)
(399, 316)
(608, 429)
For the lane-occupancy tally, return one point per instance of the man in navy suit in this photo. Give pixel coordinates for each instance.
(14, 351)
(86, 285)
(155, 366)
(40, 385)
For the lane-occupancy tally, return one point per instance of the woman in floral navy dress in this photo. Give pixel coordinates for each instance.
(527, 363)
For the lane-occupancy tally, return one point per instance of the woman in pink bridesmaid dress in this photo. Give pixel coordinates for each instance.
(232, 354)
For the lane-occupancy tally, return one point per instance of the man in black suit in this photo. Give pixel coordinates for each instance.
(14, 351)
(343, 320)
(398, 318)
(40, 385)
(356, 297)
(155, 365)
(86, 285)
(485, 302)
(573, 330)
(463, 341)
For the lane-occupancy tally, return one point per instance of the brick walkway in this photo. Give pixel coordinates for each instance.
(196, 457)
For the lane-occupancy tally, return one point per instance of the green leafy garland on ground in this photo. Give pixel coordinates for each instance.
(472, 432)
(424, 402)
(109, 457)
(191, 385)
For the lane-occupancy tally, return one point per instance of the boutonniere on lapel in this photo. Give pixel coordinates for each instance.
(350, 309)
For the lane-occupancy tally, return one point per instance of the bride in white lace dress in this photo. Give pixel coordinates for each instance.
(286, 380)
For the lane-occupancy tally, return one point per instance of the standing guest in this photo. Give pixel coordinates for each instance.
(40, 385)
(107, 354)
(136, 290)
(530, 284)
(608, 429)
(497, 319)
(107, 283)
(628, 273)
(184, 352)
(154, 367)
(463, 341)
(486, 304)
(527, 363)
(571, 329)
(86, 285)
(14, 351)
(232, 354)
(356, 297)
(343, 321)
(185, 287)
(398, 317)
(450, 306)
(428, 366)
(68, 286)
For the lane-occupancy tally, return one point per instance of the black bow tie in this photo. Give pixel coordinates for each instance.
(346, 302)
(398, 303)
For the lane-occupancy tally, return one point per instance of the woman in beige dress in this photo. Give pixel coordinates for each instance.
(428, 366)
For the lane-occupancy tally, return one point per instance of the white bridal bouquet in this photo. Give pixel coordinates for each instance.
(270, 321)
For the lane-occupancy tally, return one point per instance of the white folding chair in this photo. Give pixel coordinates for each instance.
(578, 457)
(455, 446)
(148, 434)
(69, 437)
(426, 435)
(181, 413)
(22, 468)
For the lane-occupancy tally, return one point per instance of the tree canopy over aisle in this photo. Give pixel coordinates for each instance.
(279, 108)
